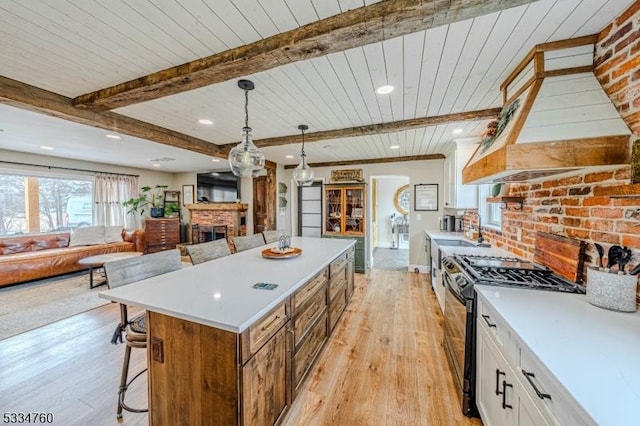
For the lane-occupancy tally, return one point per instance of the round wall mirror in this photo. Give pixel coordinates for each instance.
(401, 200)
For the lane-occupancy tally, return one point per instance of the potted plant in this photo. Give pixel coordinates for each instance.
(151, 197)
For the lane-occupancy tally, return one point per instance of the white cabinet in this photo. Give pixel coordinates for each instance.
(512, 385)
(457, 195)
(501, 397)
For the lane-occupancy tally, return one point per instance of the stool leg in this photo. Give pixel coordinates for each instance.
(123, 379)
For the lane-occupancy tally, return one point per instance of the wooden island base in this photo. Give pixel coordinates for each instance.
(201, 375)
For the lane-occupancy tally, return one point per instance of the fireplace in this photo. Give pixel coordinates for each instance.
(204, 233)
(212, 221)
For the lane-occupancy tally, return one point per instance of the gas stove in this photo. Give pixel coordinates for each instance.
(468, 270)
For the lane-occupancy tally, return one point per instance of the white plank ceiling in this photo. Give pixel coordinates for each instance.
(71, 47)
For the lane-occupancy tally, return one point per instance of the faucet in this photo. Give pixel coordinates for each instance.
(480, 237)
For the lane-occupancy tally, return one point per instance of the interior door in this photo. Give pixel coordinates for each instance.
(260, 213)
(310, 210)
(264, 200)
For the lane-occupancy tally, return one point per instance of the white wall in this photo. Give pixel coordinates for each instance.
(425, 171)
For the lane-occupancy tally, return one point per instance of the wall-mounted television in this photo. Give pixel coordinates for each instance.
(218, 187)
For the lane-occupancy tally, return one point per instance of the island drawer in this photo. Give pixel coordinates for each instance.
(337, 265)
(263, 329)
(336, 307)
(308, 290)
(303, 321)
(308, 351)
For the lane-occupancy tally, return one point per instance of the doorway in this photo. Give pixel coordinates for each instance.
(390, 222)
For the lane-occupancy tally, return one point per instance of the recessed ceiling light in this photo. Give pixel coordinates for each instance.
(394, 147)
(156, 164)
(288, 156)
(215, 160)
(457, 131)
(48, 148)
(113, 136)
(383, 90)
(205, 121)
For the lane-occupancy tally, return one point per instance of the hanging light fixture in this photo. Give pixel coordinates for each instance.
(245, 159)
(303, 174)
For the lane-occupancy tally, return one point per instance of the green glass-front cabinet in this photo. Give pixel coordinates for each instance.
(344, 216)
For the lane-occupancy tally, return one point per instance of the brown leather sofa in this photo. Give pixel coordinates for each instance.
(37, 256)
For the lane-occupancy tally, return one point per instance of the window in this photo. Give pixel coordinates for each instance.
(491, 212)
(30, 203)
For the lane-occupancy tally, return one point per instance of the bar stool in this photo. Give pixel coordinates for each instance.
(127, 271)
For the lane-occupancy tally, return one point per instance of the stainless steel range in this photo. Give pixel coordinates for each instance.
(461, 273)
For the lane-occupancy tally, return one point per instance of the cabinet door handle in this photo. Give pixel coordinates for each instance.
(505, 385)
(489, 323)
(273, 321)
(498, 374)
(529, 376)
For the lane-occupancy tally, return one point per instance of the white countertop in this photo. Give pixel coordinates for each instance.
(592, 351)
(219, 293)
(451, 250)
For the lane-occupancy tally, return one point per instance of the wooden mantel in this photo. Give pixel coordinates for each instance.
(218, 206)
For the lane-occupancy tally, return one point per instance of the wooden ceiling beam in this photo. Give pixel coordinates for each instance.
(32, 98)
(355, 28)
(373, 161)
(374, 129)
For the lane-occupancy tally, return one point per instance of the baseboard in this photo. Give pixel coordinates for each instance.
(418, 268)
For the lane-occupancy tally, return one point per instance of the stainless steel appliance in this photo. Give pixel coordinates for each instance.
(460, 274)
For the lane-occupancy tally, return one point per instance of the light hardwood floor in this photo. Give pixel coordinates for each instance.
(384, 365)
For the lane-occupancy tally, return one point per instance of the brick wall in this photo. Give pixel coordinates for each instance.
(567, 206)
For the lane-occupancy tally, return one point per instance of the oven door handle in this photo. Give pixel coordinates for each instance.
(446, 280)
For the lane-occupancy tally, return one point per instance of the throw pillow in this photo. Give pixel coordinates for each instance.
(87, 236)
(113, 234)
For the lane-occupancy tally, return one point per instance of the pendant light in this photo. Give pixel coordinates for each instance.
(303, 174)
(245, 159)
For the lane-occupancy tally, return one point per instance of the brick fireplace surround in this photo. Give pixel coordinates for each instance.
(572, 206)
(232, 215)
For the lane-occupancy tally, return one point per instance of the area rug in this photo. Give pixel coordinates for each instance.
(27, 306)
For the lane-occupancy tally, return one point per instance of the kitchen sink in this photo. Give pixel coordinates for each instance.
(457, 243)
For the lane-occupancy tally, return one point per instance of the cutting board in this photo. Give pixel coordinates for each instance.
(564, 256)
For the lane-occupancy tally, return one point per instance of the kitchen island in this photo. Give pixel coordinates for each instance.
(223, 352)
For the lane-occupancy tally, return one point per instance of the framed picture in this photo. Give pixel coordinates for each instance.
(356, 212)
(188, 191)
(171, 196)
(426, 196)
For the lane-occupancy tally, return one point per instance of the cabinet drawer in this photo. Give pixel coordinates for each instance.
(309, 350)
(303, 321)
(260, 332)
(308, 290)
(336, 307)
(338, 265)
(548, 394)
(336, 285)
(498, 330)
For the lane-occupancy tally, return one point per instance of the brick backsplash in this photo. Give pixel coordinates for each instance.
(567, 206)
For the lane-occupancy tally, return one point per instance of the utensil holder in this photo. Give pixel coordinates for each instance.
(611, 291)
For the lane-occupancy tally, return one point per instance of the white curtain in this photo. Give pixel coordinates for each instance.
(109, 192)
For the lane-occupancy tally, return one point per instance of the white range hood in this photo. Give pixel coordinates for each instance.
(556, 118)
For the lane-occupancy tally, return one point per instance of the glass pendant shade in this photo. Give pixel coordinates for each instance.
(245, 159)
(303, 174)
